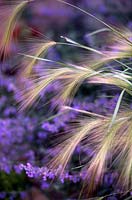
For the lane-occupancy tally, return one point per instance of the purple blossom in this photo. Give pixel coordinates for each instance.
(49, 127)
(112, 198)
(42, 135)
(2, 195)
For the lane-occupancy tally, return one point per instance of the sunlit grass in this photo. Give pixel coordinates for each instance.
(109, 135)
(9, 17)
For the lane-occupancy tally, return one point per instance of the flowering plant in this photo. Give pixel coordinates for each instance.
(106, 138)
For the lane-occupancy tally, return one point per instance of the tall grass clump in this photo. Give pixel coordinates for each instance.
(110, 136)
(9, 16)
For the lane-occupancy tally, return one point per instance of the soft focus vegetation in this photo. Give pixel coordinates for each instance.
(63, 131)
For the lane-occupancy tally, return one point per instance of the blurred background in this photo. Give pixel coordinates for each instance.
(25, 137)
